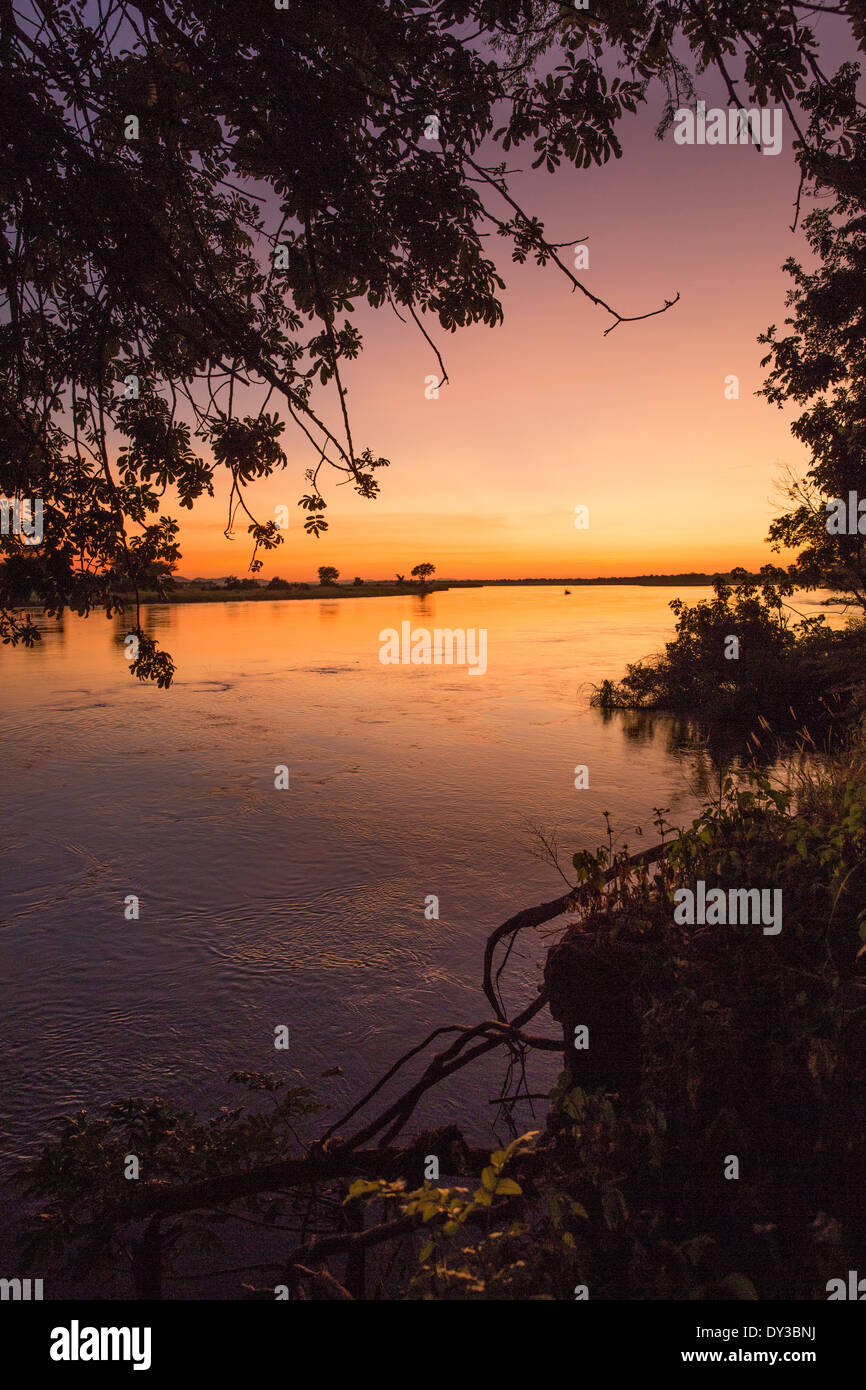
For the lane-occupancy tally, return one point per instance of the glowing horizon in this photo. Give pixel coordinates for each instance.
(545, 412)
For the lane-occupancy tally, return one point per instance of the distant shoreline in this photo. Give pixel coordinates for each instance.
(193, 593)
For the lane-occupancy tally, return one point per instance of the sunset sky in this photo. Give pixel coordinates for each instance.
(545, 413)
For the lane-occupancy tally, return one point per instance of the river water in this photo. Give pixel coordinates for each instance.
(303, 906)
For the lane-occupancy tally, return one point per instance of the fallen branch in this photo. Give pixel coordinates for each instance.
(545, 912)
(167, 1199)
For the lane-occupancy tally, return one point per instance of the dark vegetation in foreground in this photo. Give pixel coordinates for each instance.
(707, 1044)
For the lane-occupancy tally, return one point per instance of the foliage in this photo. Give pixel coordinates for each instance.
(493, 1268)
(744, 1039)
(79, 1176)
(783, 672)
(821, 362)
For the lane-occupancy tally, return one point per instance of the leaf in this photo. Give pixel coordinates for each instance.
(614, 1209)
(738, 1286)
(426, 1251)
(360, 1188)
(507, 1187)
(522, 1144)
(822, 1059)
(488, 1177)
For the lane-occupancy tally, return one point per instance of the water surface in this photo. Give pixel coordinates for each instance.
(302, 907)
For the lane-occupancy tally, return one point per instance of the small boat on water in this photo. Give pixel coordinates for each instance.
(567, 591)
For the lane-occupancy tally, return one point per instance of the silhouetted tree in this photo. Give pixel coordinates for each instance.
(821, 364)
(194, 199)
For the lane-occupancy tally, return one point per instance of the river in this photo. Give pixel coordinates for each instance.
(304, 906)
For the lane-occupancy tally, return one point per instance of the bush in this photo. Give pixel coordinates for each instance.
(738, 655)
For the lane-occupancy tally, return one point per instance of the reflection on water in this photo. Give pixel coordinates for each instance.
(713, 747)
(305, 907)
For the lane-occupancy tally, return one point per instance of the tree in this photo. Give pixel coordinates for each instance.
(240, 182)
(357, 581)
(733, 656)
(423, 572)
(821, 364)
(146, 574)
(328, 575)
(277, 583)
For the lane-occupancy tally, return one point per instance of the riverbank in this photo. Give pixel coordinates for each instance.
(199, 593)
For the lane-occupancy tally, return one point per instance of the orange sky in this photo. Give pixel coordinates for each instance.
(545, 413)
